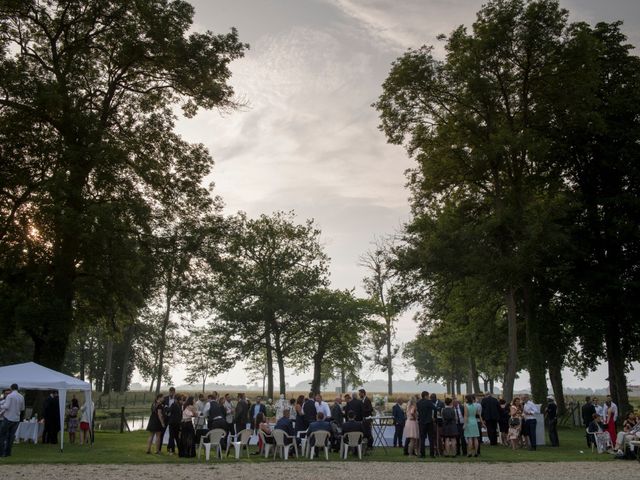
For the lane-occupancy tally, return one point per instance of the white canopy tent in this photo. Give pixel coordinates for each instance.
(31, 376)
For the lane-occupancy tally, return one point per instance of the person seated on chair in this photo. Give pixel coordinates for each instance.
(630, 431)
(602, 437)
(351, 425)
(263, 426)
(286, 425)
(319, 425)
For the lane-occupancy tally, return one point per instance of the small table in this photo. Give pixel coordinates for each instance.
(29, 431)
(378, 427)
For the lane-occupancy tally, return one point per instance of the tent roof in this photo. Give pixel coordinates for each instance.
(31, 376)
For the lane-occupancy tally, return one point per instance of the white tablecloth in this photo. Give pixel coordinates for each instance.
(29, 431)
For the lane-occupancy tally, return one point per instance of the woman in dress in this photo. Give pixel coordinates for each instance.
(155, 427)
(411, 430)
(72, 421)
(186, 444)
(610, 421)
(264, 427)
(515, 423)
(449, 428)
(503, 421)
(300, 424)
(471, 430)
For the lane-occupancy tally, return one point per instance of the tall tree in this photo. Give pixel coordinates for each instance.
(267, 268)
(381, 286)
(97, 80)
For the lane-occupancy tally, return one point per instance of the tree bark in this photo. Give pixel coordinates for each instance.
(269, 360)
(555, 376)
(389, 359)
(535, 349)
(108, 367)
(616, 364)
(512, 345)
(128, 339)
(163, 333)
(317, 371)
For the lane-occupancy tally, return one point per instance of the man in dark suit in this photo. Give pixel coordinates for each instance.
(551, 418)
(174, 421)
(461, 444)
(337, 415)
(355, 405)
(309, 409)
(257, 408)
(286, 425)
(51, 415)
(491, 415)
(399, 419)
(216, 414)
(320, 424)
(367, 411)
(588, 410)
(426, 409)
(351, 425)
(241, 415)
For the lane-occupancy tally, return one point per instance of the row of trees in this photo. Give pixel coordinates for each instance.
(523, 247)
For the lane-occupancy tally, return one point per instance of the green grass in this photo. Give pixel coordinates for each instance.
(116, 448)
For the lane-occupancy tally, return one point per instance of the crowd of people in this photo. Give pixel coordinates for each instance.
(452, 427)
(600, 420)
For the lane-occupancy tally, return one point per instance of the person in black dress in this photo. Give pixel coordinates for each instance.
(155, 427)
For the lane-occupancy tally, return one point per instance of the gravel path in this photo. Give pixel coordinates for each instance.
(352, 470)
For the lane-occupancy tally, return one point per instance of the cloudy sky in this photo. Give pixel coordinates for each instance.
(307, 139)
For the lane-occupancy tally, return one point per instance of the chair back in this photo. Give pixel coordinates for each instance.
(244, 436)
(353, 439)
(278, 436)
(321, 437)
(215, 436)
(263, 436)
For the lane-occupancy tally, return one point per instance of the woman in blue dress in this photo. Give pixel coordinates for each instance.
(471, 431)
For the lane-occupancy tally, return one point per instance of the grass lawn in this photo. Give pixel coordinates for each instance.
(117, 448)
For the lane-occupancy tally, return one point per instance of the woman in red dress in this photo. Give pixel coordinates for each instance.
(611, 421)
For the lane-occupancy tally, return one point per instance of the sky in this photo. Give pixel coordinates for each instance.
(306, 138)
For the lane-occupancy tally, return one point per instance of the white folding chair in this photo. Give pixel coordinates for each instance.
(240, 440)
(214, 436)
(266, 446)
(280, 437)
(353, 440)
(321, 440)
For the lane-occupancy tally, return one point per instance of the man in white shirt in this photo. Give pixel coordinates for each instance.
(322, 406)
(13, 406)
(529, 410)
(598, 407)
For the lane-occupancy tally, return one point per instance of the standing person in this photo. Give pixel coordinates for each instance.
(529, 411)
(322, 406)
(156, 425)
(367, 411)
(354, 404)
(72, 419)
(301, 423)
(200, 404)
(551, 419)
(167, 403)
(438, 423)
(257, 408)
(412, 430)
(337, 415)
(471, 430)
(186, 444)
(86, 422)
(476, 400)
(51, 415)
(242, 413)
(426, 410)
(491, 416)
(610, 415)
(503, 421)
(461, 444)
(280, 405)
(598, 407)
(13, 407)
(309, 410)
(216, 417)
(399, 420)
(449, 428)
(229, 412)
(174, 420)
(515, 423)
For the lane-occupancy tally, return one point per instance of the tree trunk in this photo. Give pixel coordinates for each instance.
(473, 375)
(555, 375)
(280, 361)
(82, 359)
(128, 339)
(269, 360)
(512, 345)
(108, 367)
(617, 378)
(491, 385)
(535, 349)
(317, 371)
(343, 381)
(389, 359)
(458, 387)
(163, 332)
